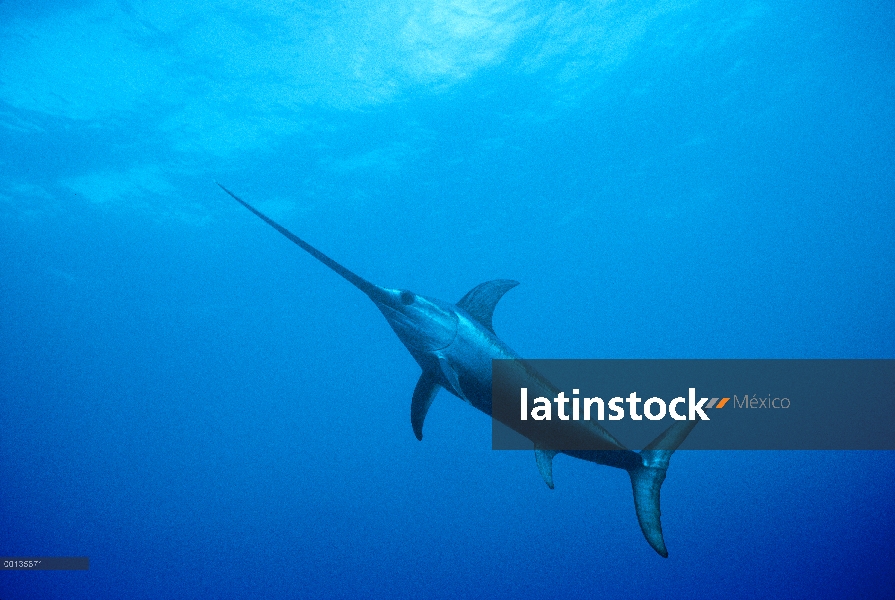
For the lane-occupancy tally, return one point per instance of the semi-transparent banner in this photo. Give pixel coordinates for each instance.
(779, 404)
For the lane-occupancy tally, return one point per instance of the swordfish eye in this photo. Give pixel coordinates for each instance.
(407, 297)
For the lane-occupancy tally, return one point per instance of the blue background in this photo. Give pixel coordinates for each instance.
(205, 411)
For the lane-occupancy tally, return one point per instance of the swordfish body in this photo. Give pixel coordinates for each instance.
(454, 345)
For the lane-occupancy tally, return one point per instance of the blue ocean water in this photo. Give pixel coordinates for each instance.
(207, 412)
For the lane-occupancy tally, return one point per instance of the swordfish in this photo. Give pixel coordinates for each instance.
(454, 345)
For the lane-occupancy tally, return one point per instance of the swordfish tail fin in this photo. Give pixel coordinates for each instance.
(647, 478)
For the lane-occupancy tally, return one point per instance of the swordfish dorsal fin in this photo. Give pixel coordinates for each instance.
(480, 301)
(423, 394)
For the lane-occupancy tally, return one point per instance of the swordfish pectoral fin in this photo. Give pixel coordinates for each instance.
(450, 375)
(480, 301)
(423, 395)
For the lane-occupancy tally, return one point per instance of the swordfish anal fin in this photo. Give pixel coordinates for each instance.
(544, 459)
